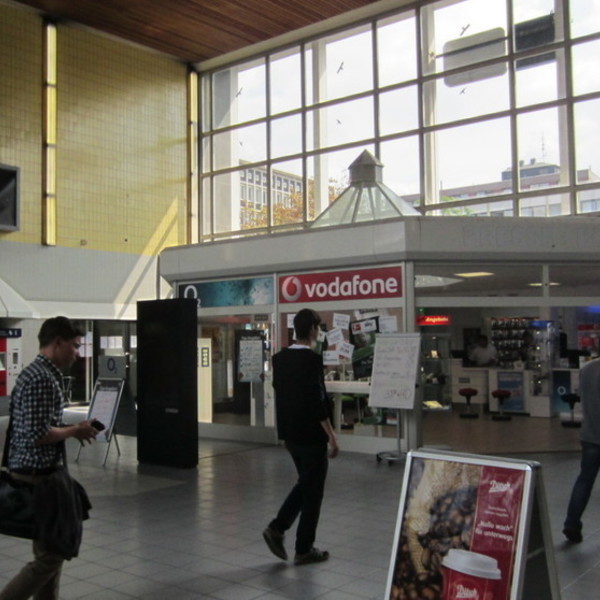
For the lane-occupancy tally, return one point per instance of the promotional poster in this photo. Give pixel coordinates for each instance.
(459, 530)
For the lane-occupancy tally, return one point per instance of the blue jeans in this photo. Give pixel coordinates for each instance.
(306, 496)
(582, 490)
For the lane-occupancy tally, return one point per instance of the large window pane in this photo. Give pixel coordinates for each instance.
(286, 78)
(206, 226)
(468, 99)
(587, 134)
(239, 94)
(472, 158)
(588, 201)
(396, 49)
(349, 64)
(329, 174)
(398, 110)
(247, 144)
(461, 33)
(539, 81)
(553, 205)
(343, 123)
(497, 208)
(585, 16)
(586, 75)
(539, 149)
(226, 202)
(286, 136)
(401, 170)
(287, 193)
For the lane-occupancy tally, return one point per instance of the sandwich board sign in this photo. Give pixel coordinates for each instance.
(471, 527)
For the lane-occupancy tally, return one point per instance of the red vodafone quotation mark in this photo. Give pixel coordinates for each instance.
(291, 289)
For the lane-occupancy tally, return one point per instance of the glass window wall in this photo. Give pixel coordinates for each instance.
(461, 100)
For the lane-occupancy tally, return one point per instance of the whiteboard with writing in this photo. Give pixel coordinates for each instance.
(394, 374)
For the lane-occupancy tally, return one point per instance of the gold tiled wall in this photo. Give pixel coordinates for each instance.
(21, 112)
(121, 160)
(121, 147)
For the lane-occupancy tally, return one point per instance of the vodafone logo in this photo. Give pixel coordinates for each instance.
(385, 282)
(291, 288)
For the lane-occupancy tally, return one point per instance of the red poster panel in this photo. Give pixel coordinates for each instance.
(461, 528)
(358, 284)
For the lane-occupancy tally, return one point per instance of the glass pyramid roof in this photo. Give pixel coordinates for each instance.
(366, 199)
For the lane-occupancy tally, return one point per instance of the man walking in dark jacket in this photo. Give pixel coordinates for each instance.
(303, 422)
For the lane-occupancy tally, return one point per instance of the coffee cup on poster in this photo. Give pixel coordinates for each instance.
(469, 576)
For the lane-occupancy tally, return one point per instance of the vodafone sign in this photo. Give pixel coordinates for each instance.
(361, 284)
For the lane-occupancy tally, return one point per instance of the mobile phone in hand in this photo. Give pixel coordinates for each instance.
(98, 425)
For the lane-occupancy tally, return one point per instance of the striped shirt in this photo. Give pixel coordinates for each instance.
(36, 404)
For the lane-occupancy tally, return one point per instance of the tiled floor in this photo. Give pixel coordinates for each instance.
(168, 534)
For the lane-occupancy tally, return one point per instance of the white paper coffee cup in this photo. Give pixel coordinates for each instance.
(469, 576)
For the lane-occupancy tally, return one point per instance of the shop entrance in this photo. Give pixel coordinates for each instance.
(234, 395)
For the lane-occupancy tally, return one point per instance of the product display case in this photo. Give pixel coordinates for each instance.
(435, 369)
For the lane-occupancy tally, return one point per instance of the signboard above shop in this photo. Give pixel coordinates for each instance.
(331, 286)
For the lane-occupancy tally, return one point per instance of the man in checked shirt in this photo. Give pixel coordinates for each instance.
(36, 411)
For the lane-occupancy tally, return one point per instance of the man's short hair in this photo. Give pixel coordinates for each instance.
(304, 321)
(58, 327)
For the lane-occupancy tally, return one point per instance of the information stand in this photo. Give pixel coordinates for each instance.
(104, 407)
(394, 377)
(472, 526)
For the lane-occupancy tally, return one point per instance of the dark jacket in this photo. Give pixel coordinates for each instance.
(300, 399)
(61, 505)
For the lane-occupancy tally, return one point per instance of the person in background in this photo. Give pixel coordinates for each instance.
(589, 393)
(304, 424)
(36, 432)
(484, 354)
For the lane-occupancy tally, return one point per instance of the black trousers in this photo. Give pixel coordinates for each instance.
(306, 496)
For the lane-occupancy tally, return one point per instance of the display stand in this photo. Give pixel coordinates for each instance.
(484, 510)
(104, 407)
(393, 379)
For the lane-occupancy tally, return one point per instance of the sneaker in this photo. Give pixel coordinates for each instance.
(314, 555)
(274, 540)
(573, 535)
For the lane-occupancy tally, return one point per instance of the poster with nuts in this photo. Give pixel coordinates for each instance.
(462, 528)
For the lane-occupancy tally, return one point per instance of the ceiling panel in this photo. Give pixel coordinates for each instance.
(196, 30)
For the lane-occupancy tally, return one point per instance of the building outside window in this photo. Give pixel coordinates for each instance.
(474, 107)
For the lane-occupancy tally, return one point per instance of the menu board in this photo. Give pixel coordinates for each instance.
(394, 374)
(465, 530)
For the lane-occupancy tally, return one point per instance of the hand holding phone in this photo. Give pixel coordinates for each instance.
(98, 425)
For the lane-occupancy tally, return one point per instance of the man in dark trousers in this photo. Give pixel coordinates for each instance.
(36, 429)
(304, 424)
(589, 391)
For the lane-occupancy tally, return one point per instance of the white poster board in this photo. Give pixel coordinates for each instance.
(394, 374)
(105, 403)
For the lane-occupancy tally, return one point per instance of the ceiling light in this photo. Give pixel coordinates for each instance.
(474, 274)
(540, 284)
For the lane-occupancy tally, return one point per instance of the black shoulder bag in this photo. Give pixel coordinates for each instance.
(17, 515)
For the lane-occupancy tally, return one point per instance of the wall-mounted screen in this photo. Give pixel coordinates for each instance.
(9, 198)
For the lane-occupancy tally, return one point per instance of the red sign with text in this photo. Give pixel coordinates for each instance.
(361, 284)
(427, 320)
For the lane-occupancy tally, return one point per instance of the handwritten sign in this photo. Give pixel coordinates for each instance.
(251, 359)
(395, 370)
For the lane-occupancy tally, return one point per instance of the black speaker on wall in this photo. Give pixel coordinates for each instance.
(167, 415)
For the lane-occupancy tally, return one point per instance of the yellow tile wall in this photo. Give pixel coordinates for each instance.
(121, 159)
(121, 137)
(21, 112)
